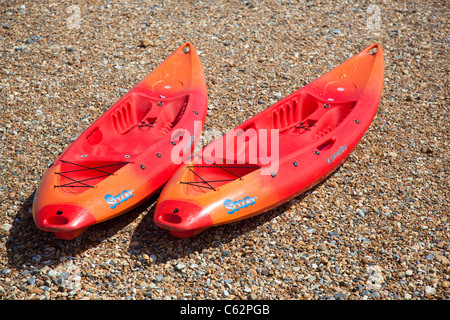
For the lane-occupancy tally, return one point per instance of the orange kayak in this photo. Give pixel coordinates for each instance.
(125, 156)
(279, 153)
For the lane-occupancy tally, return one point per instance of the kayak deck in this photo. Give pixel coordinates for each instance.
(279, 153)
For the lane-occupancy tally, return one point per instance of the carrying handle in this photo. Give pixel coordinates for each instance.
(372, 49)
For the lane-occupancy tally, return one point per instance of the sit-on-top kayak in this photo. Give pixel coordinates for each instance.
(126, 154)
(279, 153)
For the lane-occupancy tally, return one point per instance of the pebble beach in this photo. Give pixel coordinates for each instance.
(376, 229)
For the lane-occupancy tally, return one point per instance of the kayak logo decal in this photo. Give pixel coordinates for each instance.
(337, 154)
(114, 201)
(233, 206)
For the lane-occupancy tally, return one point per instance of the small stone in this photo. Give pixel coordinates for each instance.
(336, 31)
(409, 98)
(33, 39)
(144, 43)
(392, 154)
(408, 273)
(277, 95)
(442, 259)
(340, 296)
(441, 245)
(180, 266)
(36, 290)
(332, 184)
(226, 253)
(430, 290)
(52, 273)
(333, 234)
(426, 149)
(6, 226)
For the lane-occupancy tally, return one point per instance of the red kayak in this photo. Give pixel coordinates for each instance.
(279, 153)
(125, 156)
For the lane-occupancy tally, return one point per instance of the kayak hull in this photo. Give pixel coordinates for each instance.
(129, 152)
(278, 154)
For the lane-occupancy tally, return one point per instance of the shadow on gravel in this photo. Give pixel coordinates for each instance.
(151, 240)
(29, 246)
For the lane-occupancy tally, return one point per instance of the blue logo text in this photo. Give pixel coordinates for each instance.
(115, 201)
(233, 206)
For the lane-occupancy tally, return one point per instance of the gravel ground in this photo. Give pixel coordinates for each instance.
(376, 229)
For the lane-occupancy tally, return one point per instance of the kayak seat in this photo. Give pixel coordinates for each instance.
(293, 111)
(171, 113)
(331, 118)
(132, 110)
